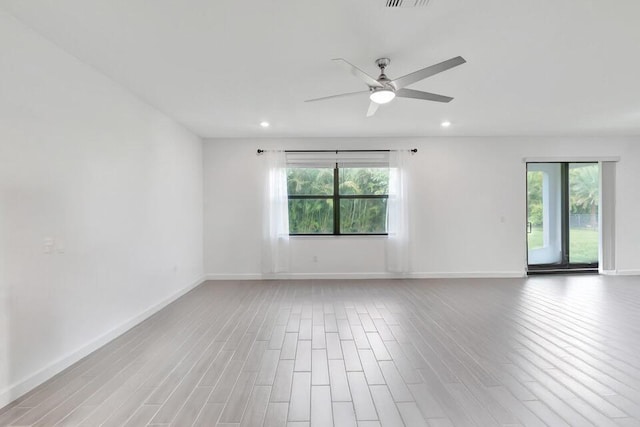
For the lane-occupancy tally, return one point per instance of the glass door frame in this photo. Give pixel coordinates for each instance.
(565, 265)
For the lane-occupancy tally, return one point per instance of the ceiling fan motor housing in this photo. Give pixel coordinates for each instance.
(383, 79)
(383, 62)
(385, 93)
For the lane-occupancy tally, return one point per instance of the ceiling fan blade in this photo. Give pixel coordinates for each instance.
(370, 81)
(418, 94)
(337, 96)
(373, 107)
(416, 76)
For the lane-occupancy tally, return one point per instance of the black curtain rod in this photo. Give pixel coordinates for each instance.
(413, 150)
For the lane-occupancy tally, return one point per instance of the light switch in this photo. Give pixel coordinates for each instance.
(47, 244)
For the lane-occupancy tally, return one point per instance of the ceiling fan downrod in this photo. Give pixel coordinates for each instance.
(383, 63)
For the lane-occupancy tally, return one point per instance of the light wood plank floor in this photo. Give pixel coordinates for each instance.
(553, 351)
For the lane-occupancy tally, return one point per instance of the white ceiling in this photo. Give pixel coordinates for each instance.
(538, 67)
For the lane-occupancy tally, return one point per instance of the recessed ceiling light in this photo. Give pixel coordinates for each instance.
(265, 124)
(445, 124)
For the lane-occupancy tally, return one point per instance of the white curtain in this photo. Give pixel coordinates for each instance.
(275, 242)
(398, 241)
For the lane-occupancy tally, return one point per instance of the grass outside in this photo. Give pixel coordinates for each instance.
(583, 244)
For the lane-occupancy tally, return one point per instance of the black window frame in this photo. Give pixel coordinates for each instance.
(337, 197)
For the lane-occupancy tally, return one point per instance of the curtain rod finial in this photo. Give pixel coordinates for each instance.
(414, 150)
(260, 151)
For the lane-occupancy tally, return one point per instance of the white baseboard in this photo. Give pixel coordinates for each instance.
(335, 276)
(470, 275)
(362, 275)
(301, 276)
(627, 272)
(240, 276)
(23, 386)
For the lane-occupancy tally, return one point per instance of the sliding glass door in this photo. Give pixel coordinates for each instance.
(544, 211)
(562, 216)
(584, 196)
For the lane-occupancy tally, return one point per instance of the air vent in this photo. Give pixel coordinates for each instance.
(406, 3)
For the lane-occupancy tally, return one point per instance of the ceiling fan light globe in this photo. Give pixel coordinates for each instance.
(382, 96)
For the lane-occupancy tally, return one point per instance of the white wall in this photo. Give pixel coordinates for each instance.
(468, 209)
(115, 184)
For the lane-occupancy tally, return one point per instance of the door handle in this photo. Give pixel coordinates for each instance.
(529, 227)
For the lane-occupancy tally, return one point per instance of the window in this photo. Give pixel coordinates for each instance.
(341, 200)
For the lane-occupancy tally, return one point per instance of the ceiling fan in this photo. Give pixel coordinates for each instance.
(382, 90)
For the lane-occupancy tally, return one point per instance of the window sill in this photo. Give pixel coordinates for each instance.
(339, 236)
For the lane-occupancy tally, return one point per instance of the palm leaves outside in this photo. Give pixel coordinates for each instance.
(584, 181)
